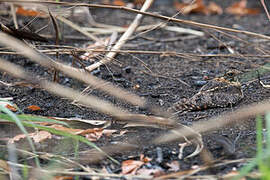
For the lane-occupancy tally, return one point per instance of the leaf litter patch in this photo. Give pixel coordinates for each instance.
(169, 90)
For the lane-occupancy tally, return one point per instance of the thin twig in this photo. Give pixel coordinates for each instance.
(123, 38)
(78, 28)
(217, 122)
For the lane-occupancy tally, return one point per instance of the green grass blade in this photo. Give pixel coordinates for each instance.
(25, 117)
(15, 119)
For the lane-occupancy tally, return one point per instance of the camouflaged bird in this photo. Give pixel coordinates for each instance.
(219, 92)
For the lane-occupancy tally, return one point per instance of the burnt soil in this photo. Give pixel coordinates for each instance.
(156, 78)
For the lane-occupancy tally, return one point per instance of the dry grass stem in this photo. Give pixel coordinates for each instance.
(115, 29)
(108, 57)
(76, 27)
(215, 123)
(73, 72)
(62, 91)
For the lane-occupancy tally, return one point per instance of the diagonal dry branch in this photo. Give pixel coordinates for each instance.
(109, 57)
(59, 90)
(92, 101)
(241, 114)
(46, 61)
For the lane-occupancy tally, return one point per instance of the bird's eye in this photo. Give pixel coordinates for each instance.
(230, 74)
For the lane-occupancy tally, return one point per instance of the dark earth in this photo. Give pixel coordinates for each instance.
(156, 78)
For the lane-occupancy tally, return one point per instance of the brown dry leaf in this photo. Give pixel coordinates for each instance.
(213, 8)
(38, 136)
(41, 136)
(174, 166)
(138, 2)
(17, 138)
(34, 108)
(10, 107)
(4, 165)
(145, 159)
(98, 46)
(33, 12)
(240, 8)
(63, 177)
(131, 166)
(92, 134)
(119, 3)
(197, 7)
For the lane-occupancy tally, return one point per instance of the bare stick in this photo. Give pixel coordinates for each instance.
(44, 60)
(123, 38)
(76, 27)
(218, 122)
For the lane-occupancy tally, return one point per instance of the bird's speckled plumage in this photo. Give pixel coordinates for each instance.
(218, 92)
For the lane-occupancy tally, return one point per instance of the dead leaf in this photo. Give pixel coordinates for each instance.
(92, 134)
(17, 138)
(131, 166)
(63, 177)
(145, 159)
(97, 46)
(213, 8)
(10, 107)
(41, 136)
(138, 2)
(33, 12)
(197, 7)
(38, 136)
(240, 8)
(34, 108)
(4, 165)
(119, 3)
(174, 166)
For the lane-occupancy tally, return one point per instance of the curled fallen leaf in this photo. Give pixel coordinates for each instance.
(240, 8)
(131, 166)
(93, 135)
(20, 10)
(145, 159)
(197, 7)
(213, 8)
(10, 107)
(119, 3)
(34, 108)
(98, 46)
(38, 136)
